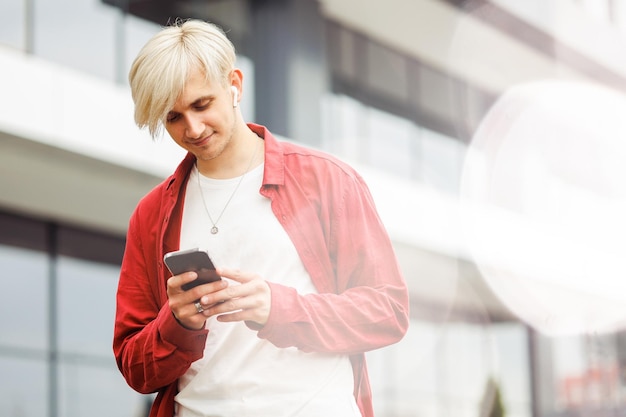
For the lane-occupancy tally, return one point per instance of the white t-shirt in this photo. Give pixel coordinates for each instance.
(241, 374)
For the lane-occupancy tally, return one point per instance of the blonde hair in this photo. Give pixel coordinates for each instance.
(158, 74)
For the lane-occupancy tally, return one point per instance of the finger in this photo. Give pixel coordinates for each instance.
(182, 303)
(197, 293)
(223, 293)
(208, 288)
(250, 315)
(254, 304)
(198, 307)
(187, 314)
(233, 317)
(177, 281)
(236, 275)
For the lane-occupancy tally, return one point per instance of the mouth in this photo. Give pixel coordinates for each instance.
(202, 141)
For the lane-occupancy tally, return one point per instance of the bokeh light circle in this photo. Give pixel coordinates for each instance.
(543, 198)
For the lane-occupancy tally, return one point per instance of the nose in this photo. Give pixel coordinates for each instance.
(193, 126)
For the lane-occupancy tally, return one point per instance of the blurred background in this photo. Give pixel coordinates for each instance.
(490, 133)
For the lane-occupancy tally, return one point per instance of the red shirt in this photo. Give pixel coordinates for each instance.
(328, 212)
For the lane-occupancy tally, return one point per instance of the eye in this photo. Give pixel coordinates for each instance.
(203, 105)
(172, 117)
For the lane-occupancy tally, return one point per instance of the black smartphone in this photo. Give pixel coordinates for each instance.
(192, 260)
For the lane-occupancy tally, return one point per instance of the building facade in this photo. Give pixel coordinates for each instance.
(403, 90)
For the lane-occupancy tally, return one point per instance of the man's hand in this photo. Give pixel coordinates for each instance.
(251, 301)
(183, 303)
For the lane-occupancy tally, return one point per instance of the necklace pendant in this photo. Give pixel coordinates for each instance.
(214, 230)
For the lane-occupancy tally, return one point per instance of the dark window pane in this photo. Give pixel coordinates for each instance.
(22, 232)
(91, 246)
(387, 72)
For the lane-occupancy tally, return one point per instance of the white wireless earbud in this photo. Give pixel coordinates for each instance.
(235, 96)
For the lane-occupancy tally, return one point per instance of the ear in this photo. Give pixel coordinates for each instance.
(236, 85)
(235, 95)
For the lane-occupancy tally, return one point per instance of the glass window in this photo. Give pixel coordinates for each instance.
(387, 72)
(86, 306)
(438, 92)
(464, 363)
(96, 391)
(379, 76)
(23, 387)
(510, 342)
(391, 142)
(404, 375)
(586, 373)
(442, 158)
(443, 368)
(342, 50)
(89, 381)
(12, 29)
(137, 32)
(77, 33)
(23, 299)
(73, 318)
(342, 127)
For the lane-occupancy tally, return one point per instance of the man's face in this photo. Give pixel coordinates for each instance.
(202, 120)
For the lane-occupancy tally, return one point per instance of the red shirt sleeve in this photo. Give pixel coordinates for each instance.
(362, 302)
(151, 348)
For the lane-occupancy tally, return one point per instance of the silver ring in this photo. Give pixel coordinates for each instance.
(199, 307)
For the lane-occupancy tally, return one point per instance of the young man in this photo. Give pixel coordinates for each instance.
(310, 279)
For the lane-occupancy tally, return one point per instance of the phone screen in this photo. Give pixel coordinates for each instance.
(192, 260)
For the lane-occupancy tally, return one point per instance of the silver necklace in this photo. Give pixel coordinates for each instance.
(215, 229)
